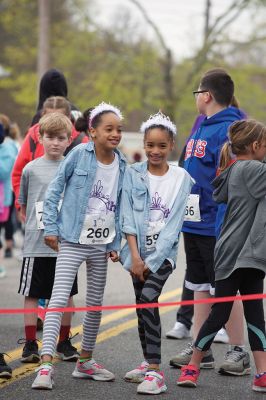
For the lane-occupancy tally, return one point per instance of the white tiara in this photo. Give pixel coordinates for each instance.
(158, 119)
(104, 107)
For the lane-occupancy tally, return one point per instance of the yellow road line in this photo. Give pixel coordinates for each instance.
(29, 369)
(114, 316)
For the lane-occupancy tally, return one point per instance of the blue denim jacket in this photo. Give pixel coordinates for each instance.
(134, 219)
(75, 178)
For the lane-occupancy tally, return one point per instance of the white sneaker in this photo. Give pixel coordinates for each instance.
(91, 370)
(221, 336)
(137, 375)
(179, 331)
(153, 383)
(44, 378)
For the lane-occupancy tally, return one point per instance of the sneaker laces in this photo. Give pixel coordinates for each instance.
(24, 341)
(234, 355)
(189, 372)
(188, 349)
(68, 341)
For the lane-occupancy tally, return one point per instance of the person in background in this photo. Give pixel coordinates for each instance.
(8, 153)
(240, 253)
(39, 260)
(53, 83)
(213, 99)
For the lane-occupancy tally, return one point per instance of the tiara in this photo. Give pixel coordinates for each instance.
(158, 119)
(104, 107)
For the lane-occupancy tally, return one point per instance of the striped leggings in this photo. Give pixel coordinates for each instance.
(70, 257)
(149, 323)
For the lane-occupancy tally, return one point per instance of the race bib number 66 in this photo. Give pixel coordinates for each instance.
(192, 213)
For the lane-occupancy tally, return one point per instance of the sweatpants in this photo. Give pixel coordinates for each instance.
(149, 323)
(70, 257)
(247, 281)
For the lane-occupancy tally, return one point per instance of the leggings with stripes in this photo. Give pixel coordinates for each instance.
(247, 281)
(70, 257)
(149, 323)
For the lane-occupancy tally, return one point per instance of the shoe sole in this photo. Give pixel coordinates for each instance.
(158, 391)
(207, 365)
(176, 337)
(259, 389)
(223, 371)
(82, 375)
(62, 357)
(6, 375)
(33, 358)
(221, 341)
(187, 384)
(42, 387)
(134, 380)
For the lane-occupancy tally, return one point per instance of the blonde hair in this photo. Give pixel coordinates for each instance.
(241, 135)
(57, 102)
(54, 124)
(5, 121)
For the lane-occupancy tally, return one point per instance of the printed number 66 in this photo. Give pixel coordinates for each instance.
(189, 211)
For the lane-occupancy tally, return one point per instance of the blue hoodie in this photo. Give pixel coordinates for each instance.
(201, 162)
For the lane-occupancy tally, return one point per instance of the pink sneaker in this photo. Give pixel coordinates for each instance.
(137, 375)
(91, 370)
(259, 383)
(189, 376)
(153, 383)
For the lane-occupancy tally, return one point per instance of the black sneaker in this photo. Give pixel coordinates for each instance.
(5, 370)
(30, 352)
(66, 351)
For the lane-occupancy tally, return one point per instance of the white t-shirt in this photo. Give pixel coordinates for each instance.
(103, 196)
(163, 192)
(99, 224)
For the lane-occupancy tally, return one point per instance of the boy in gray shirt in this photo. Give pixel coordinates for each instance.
(39, 260)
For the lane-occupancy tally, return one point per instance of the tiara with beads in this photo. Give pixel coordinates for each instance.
(102, 107)
(158, 119)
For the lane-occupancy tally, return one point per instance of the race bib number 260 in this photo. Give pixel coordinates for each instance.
(192, 213)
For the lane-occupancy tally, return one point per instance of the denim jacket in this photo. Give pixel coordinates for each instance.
(75, 178)
(134, 220)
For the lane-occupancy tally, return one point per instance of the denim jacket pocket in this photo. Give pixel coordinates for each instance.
(79, 177)
(138, 197)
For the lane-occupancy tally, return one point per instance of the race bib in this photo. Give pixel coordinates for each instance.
(153, 232)
(39, 213)
(192, 209)
(98, 229)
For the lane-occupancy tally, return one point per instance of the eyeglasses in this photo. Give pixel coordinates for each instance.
(199, 91)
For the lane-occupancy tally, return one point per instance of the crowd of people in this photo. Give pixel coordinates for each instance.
(216, 197)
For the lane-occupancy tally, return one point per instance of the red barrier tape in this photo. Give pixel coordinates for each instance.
(145, 305)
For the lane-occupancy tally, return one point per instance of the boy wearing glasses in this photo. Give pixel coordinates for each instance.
(213, 99)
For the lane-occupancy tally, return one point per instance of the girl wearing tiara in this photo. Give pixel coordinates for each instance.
(153, 206)
(91, 178)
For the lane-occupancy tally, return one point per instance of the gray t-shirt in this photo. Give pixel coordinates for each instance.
(35, 179)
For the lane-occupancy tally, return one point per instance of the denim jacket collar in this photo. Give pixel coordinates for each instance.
(90, 146)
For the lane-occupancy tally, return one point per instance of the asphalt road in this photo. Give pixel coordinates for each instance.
(117, 348)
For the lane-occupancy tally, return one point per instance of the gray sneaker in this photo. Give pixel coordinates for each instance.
(236, 362)
(184, 357)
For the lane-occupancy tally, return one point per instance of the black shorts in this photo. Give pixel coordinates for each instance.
(37, 277)
(200, 262)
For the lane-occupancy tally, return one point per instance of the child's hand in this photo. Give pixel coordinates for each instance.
(137, 269)
(146, 272)
(52, 241)
(113, 255)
